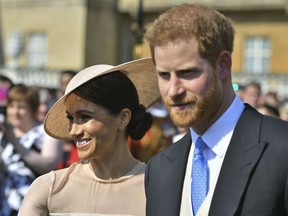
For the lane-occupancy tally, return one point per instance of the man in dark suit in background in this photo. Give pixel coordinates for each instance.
(233, 160)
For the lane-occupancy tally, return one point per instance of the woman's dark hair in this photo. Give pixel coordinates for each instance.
(115, 91)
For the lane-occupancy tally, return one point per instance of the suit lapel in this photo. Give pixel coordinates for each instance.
(172, 175)
(244, 151)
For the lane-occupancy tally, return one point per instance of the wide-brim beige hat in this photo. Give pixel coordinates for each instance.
(141, 72)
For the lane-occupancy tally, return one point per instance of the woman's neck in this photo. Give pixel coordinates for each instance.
(115, 167)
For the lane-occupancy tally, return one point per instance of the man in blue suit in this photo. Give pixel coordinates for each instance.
(244, 165)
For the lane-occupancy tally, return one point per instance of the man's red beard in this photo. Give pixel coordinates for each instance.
(185, 117)
(201, 109)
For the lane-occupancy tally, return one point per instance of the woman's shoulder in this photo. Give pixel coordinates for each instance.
(58, 178)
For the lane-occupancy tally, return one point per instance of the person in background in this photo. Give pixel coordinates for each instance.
(233, 160)
(252, 93)
(99, 110)
(267, 109)
(271, 98)
(46, 97)
(283, 110)
(65, 77)
(24, 156)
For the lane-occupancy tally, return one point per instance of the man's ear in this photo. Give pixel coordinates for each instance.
(224, 64)
(125, 117)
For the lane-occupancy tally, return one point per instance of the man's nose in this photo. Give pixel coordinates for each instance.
(175, 86)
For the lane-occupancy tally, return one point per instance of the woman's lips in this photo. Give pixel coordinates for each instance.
(82, 142)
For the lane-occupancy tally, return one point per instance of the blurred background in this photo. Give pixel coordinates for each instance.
(39, 38)
(43, 43)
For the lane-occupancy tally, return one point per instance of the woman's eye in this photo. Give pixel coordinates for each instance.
(69, 117)
(79, 118)
(85, 118)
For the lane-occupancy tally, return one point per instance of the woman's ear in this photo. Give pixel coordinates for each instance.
(224, 63)
(125, 117)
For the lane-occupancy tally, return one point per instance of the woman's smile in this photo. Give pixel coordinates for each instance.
(82, 142)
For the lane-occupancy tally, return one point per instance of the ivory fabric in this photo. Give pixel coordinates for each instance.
(77, 191)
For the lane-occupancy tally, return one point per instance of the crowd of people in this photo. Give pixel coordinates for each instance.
(267, 103)
(108, 131)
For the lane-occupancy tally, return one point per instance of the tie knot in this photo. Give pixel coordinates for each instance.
(200, 145)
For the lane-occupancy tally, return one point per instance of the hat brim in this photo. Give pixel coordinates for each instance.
(141, 72)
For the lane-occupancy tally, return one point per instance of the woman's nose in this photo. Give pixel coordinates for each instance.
(75, 130)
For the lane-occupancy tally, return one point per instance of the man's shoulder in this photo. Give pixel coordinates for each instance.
(274, 124)
(175, 150)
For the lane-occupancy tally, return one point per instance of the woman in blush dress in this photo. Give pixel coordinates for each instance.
(99, 111)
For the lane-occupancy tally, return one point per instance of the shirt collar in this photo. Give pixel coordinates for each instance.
(218, 136)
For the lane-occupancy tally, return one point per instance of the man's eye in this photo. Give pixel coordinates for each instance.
(188, 74)
(164, 75)
(185, 73)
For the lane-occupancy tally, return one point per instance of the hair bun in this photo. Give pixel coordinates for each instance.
(140, 123)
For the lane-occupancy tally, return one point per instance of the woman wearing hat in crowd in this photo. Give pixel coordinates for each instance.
(99, 110)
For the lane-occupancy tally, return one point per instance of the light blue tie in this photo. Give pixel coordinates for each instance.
(199, 187)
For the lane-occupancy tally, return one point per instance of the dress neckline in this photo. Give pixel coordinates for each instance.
(135, 170)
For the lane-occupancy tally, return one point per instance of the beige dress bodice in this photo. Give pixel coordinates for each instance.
(77, 191)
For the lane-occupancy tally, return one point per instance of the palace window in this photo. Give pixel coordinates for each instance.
(257, 55)
(37, 50)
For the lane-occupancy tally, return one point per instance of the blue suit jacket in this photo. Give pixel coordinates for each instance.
(253, 179)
